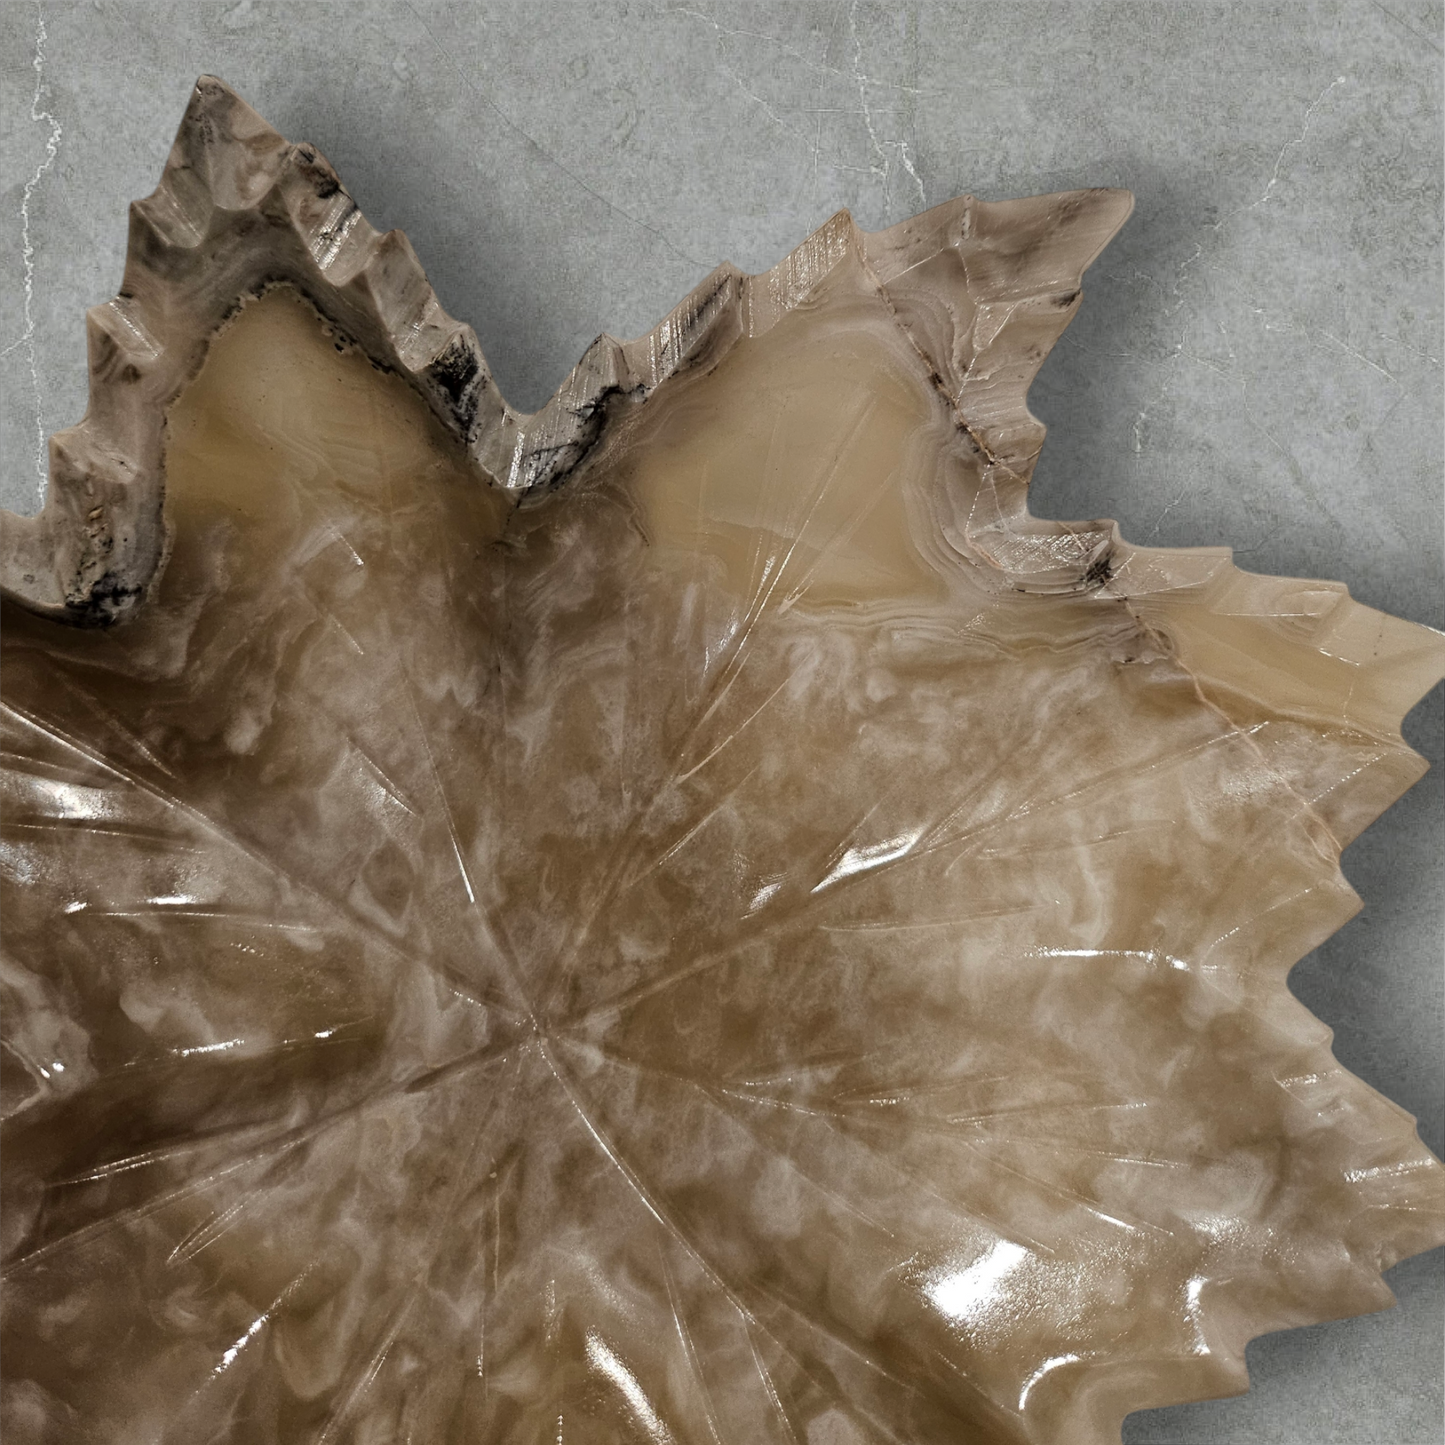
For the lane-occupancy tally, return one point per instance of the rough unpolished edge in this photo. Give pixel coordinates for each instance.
(239, 209)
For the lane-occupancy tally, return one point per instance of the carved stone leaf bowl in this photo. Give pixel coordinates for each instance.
(686, 916)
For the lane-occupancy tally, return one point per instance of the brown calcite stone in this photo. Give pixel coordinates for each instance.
(686, 917)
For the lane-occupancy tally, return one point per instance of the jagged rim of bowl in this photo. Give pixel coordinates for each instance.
(239, 209)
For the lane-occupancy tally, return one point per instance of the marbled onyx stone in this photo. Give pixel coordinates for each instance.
(688, 917)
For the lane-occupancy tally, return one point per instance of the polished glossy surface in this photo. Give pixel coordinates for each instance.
(745, 936)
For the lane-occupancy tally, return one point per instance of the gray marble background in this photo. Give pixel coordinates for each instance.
(1258, 360)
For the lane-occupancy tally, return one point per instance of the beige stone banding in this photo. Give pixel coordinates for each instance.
(983, 290)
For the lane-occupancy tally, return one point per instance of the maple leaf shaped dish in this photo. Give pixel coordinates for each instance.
(689, 916)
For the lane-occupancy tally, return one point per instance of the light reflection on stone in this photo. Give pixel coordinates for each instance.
(689, 915)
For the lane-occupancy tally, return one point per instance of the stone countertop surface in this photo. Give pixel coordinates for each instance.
(1257, 362)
